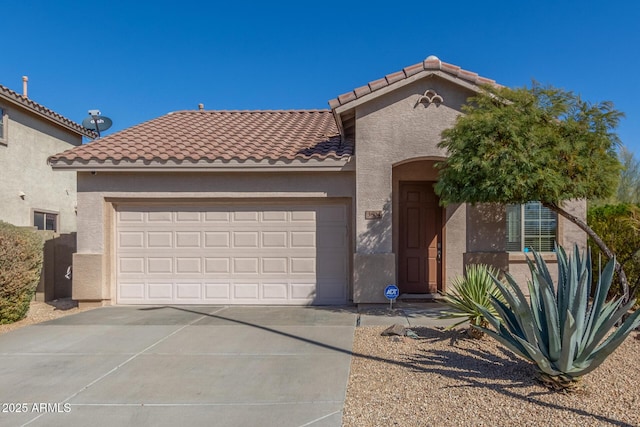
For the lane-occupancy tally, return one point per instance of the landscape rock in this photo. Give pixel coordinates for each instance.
(396, 329)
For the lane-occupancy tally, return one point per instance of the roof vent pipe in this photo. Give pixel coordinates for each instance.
(25, 81)
(201, 107)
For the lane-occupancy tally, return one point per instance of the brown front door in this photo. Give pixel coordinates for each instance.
(420, 250)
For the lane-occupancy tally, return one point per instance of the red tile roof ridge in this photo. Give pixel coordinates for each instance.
(40, 109)
(432, 62)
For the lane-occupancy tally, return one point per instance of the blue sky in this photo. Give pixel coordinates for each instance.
(136, 60)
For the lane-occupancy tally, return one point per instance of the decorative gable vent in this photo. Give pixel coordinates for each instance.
(429, 97)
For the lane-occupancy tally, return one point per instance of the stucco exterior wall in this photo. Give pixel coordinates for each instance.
(393, 130)
(98, 193)
(23, 161)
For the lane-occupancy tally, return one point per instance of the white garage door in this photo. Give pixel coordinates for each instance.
(232, 254)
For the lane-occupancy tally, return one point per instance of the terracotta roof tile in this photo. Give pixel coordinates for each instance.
(395, 77)
(27, 103)
(196, 136)
(431, 63)
(362, 90)
(375, 85)
(414, 69)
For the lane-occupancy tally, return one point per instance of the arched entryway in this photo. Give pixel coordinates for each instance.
(418, 228)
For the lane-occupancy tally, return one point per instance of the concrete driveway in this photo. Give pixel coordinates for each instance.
(178, 365)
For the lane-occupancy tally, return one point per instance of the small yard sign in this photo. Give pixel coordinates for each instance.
(391, 292)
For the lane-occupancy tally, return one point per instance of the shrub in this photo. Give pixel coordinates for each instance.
(619, 227)
(470, 292)
(563, 333)
(20, 267)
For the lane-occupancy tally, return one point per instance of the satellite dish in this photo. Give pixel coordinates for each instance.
(97, 123)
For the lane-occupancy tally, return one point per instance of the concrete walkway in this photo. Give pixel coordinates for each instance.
(179, 366)
(406, 314)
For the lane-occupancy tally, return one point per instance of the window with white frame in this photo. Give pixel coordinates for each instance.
(45, 220)
(531, 226)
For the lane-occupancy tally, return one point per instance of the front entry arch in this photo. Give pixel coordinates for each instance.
(420, 243)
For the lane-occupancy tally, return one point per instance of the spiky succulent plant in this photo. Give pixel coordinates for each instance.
(470, 292)
(559, 329)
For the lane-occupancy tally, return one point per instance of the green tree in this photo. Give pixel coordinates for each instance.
(629, 186)
(532, 144)
(619, 226)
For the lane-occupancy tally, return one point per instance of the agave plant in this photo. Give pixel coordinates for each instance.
(470, 292)
(560, 330)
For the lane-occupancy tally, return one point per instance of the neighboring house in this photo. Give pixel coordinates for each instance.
(31, 193)
(292, 207)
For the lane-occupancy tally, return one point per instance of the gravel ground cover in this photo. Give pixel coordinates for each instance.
(446, 379)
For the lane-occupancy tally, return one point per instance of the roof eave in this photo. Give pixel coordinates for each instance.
(311, 165)
(17, 100)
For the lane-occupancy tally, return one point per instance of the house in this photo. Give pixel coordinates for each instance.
(292, 207)
(31, 193)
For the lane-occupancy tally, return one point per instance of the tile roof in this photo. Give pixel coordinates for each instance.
(432, 63)
(196, 136)
(14, 97)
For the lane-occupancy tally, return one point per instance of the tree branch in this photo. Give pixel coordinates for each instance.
(603, 247)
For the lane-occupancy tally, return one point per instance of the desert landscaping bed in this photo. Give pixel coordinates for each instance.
(446, 379)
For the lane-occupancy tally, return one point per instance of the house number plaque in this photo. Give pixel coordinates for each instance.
(372, 214)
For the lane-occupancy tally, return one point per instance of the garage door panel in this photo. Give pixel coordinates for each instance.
(216, 239)
(186, 292)
(131, 239)
(275, 291)
(332, 213)
(332, 237)
(245, 239)
(217, 217)
(274, 239)
(246, 291)
(332, 264)
(188, 265)
(160, 239)
(217, 292)
(303, 239)
(232, 254)
(275, 216)
(303, 265)
(131, 291)
(245, 265)
(160, 291)
(160, 217)
(131, 217)
(303, 291)
(131, 265)
(187, 216)
(217, 266)
(187, 239)
(157, 265)
(303, 216)
(274, 265)
(245, 216)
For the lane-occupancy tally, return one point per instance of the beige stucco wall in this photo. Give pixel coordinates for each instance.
(98, 193)
(23, 161)
(393, 130)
